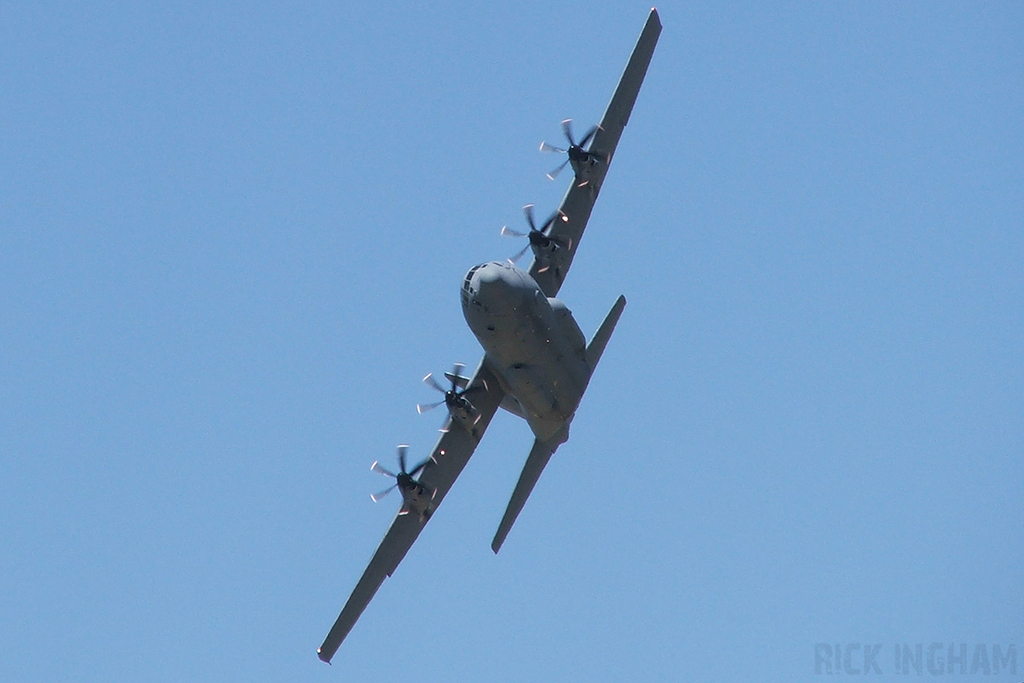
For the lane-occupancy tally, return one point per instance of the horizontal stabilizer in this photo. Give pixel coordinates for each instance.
(535, 464)
(596, 346)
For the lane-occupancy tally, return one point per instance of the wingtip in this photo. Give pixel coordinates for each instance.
(654, 16)
(500, 535)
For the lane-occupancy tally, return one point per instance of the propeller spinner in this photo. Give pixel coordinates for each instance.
(458, 405)
(575, 153)
(539, 239)
(404, 480)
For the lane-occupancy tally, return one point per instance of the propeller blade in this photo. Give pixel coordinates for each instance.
(430, 381)
(426, 408)
(547, 225)
(419, 468)
(377, 496)
(545, 147)
(554, 174)
(469, 391)
(457, 369)
(567, 129)
(528, 212)
(590, 133)
(376, 467)
(518, 256)
(401, 457)
(509, 232)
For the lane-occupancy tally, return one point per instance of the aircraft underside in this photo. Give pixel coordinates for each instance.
(532, 344)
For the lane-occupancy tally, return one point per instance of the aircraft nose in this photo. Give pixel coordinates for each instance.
(486, 288)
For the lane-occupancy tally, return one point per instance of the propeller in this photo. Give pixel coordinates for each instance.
(575, 151)
(404, 479)
(538, 238)
(453, 398)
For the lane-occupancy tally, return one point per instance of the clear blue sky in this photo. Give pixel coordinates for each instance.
(231, 241)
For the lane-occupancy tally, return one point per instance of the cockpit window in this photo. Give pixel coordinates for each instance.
(466, 289)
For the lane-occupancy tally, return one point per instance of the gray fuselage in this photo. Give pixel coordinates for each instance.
(531, 343)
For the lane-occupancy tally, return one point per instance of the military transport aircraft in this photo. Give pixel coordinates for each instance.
(536, 361)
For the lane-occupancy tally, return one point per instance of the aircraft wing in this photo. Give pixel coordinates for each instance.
(449, 457)
(578, 202)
